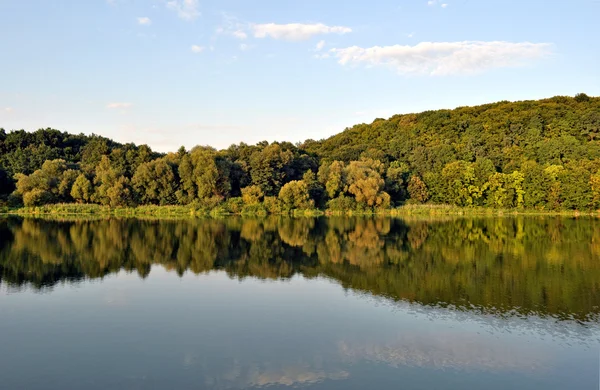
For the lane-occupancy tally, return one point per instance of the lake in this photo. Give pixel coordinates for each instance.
(324, 303)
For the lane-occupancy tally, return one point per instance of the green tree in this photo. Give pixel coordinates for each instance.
(252, 195)
(82, 190)
(295, 195)
(156, 182)
(269, 168)
(364, 181)
(331, 175)
(417, 190)
(49, 184)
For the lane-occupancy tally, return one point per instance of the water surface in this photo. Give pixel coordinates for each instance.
(344, 303)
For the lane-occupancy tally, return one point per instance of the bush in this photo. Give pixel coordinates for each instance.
(272, 205)
(342, 203)
(234, 205)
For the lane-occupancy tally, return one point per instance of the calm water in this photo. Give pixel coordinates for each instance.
(345, 303)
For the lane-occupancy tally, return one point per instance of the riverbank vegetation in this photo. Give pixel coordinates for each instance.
(532, 155)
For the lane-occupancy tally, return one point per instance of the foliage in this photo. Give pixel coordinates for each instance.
(542, 155)
(295, 195)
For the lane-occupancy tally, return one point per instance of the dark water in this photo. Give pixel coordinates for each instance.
(497, 303)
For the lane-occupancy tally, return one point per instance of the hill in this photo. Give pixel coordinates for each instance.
(542, 154)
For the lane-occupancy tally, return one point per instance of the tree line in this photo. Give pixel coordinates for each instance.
(541, 154)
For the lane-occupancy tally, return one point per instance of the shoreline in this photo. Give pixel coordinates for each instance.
(93, 210)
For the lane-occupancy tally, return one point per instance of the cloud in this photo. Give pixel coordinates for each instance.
(432, 3)
(120, 105)
(233, 27)
(186, 9)
(320, 46)
(144, 21)
(295, 31)
(239, 34)
(445, 58)
(8, 110)
(197, 49)
(245, 47)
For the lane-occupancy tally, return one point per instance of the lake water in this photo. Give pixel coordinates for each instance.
(338, 303)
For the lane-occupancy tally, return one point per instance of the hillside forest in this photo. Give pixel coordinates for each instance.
(542, 155)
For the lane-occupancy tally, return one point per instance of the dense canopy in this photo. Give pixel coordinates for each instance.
(541, 154)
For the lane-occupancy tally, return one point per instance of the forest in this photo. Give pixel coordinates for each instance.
(539, 155)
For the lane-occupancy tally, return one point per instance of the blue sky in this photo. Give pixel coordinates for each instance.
(189, 72)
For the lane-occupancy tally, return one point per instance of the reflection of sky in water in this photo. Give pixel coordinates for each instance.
(209, 331)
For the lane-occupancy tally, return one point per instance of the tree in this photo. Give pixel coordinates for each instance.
(119, 194)
(111, 187)
(156, 182)
(49, 184)
(417, 190)
(204, 175)
(82, 190)
(595, 186)
(315, 189)
(268, 168)
(364, 181)
(295, 195)
(332, 177)
(396, 180)
(6, 184)
(252, 195)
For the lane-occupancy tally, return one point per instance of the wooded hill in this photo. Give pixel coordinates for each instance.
(542, 154)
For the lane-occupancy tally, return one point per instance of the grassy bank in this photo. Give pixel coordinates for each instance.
(425, 209)
(191, 211)
(140, 211)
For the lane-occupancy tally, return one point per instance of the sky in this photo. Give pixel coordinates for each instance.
(169, 73)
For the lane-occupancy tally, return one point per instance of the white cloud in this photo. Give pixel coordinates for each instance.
(144, 21)
(120, 105)
(197, 49)
(239, 34)
(295, 31)
(320, 46)
(8, 110)
(186, 9)
(412, 34)
(245, 47)
(444, 58)
(232, 26)
(432, 3)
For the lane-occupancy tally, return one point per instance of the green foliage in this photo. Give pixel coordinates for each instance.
(540, 155)
(49, 184)
(252, 195)
(155, 182)
(331, 175)
(417, 189)
(295, 195)
(82, 190)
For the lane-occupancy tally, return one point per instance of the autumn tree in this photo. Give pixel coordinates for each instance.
(417, 190)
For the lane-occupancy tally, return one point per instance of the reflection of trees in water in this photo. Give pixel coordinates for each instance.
(543, 265)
